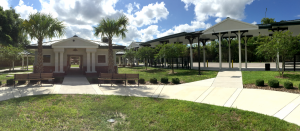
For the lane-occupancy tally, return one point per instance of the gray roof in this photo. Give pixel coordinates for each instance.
(134, 45)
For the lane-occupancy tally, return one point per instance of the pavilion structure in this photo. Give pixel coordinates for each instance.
(227, 29)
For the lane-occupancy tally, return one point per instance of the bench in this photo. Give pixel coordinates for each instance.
(111, 77)
(34, 76)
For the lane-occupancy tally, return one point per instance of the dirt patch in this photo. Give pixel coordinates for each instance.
(284, 77)
(170, 72)
(266, 87)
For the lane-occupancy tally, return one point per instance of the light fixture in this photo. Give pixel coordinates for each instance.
(75, 49)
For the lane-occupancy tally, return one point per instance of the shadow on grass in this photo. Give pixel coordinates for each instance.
(153, 70)
(293, 77)
(16, 71)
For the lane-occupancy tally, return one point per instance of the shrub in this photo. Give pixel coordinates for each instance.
(175, 80)
(131, 81)
(299, 87)
(21, 82)
(142, 80)
(0, 83)
(10, 81)
(164, 80)
(153, 80)
(259, 82)
(273, 83)
(288, 85)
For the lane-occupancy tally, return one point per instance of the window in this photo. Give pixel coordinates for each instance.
(46, 58)
(101, 59)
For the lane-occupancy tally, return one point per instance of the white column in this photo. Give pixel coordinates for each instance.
(240, 52)
(245, 52)
(22, 62)
(61, 62)
(88, 62)
(27, 62)
(93, 62)
(229, 40)
(220, 51)
(56, 61)
(191, 56)
(120, 60)
(204, 54)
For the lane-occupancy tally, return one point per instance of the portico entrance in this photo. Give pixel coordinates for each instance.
(74, 64)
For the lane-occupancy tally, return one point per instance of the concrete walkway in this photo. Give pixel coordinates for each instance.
(224, 90)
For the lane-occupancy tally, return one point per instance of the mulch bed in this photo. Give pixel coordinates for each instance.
(266, 87)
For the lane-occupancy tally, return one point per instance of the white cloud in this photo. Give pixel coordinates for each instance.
(137, 5)
(254, 22)
(218, 8)
(298, 16)
(149, 14)
(129, 8)
(24, 10)
(4, 4)
(185, 28)
(218, 20)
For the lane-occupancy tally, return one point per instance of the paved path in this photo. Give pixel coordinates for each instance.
(224, 90)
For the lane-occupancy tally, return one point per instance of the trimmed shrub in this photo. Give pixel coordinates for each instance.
(273, 83)
(142, 80)
(0, 83)
(21, 82)
(131, 81)
(10, 82)
(259, 82)
(175, 80)
(164, 80)
(288, 85)
(299, 87)
(153, 80)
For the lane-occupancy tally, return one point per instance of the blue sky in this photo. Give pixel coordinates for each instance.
(150, 19)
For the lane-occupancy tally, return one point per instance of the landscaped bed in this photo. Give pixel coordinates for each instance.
(250, 77)
(184, 75)
(91, 112)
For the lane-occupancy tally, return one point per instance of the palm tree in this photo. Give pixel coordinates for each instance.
(41, 26)
(109, 28)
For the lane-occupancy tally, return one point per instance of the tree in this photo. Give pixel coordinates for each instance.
(129, 54)
(171, 51)
(145, 53)
(41, 26)
(11, 32)
(282, 42)
(109, 28)
(267, 20)
(10, 54)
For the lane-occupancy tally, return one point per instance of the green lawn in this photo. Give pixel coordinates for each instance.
(91, 112)
(184, 75)
(249, 77)
(75, 66)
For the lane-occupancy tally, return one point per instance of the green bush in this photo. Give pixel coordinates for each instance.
(10, 82)
(299, 87)
(21, 82)
(131, 81)
(273, 83)
(142, 80)
(288, 85)
(164, 80)
(259, 82)
(0, 83)
(175, 80)
(153, 80)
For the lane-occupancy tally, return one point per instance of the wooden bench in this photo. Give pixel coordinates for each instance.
(34, 76)
(111, 77)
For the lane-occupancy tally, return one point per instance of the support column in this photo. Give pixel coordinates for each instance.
(220, 51)
(204, 55)
(229, 52)
(27, 62)
(93, 62)
(191, 55)
(61, 62)
(119, 60)
(88, 62)
(240, 52)
(22, 62)
(277, 62)
(246, 52)
(56, 61)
